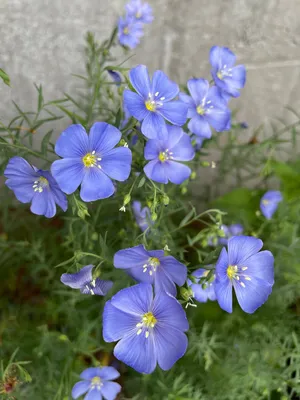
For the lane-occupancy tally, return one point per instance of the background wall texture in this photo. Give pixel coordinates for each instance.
(42, 42)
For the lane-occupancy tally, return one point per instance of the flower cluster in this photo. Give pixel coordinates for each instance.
(130, 27)
(146, 320)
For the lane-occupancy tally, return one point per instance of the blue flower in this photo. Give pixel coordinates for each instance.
(36, 186)
(97, 383)
(202, 291)
(269, 203)
(227, 77)
(152, 267)
(152, 103)
(149, 331)
(206, 107)
(84, 281)
(91, 161)
(248, 270)
(115, 76)
(229, 231)
(141, 12)
(197, 142)
(164, 155)
(129, 32)
(142, 215)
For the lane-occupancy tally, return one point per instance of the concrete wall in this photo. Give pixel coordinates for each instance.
(42, 42)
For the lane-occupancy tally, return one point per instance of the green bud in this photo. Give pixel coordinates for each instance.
(186, 294)
(166, 200)
(193, 175)
(154, 216)
(127, 199)
(205, 163)
(184, 190)
(94, 236)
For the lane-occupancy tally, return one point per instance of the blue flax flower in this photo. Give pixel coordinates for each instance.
(229, 231)
(115, 76)
(91, 160)
(129, 32)
(197, 142)
(227, 77)
(152, 103)
(269, 203)
(149, 331)
(84, 281)
(97, 384)
(202, 291)
(206, 108)
(152, 267)
(164, 154)
(246, 269)
(141, 12)
(142, 215)
(36, 186)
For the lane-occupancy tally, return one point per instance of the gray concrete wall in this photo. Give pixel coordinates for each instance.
(42, 42)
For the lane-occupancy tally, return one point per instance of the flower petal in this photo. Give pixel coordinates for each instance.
(73, 142)
(175, 269)
(239, 76)
(68, 173)
(261, 265)
(110, 390)
(163, 283)
(240, 248)
(90, 373)
(79, 279)
(18, 167)
(153, 148)
(163, 85)
(252, 294)
(99, 287)
(139, 78)
(198, 89)
(215, 57)
(96, 185)
(43, 203)
(171, 345)
(174, 112)
(140, 276)
(176, 172)
(135, 105)
(117, 163)
(180, 144)
(135, 300)
(138, 352)
(169, 312)
(156, 171)
(154, 126)
(103, 137)
(109, 373)
(117, 323)
(80, 388)
(131, 258)
(203, 294)
(222, 265)
(94, 394)
(223, 289)
(200, 127)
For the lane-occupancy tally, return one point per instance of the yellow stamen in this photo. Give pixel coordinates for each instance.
(265, 202)
(150, 105)
(154, 262)
(162, 156)
(219, 75)
(149, 320)
(96, 381)
(89, 160)
(126, 30)
(43, 181)
(231, 271)
(200, 110)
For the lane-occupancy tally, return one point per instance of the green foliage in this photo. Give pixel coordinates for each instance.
(230, 357)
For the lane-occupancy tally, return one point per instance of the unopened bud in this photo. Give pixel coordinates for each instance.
(166, 200)
(127, 199)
